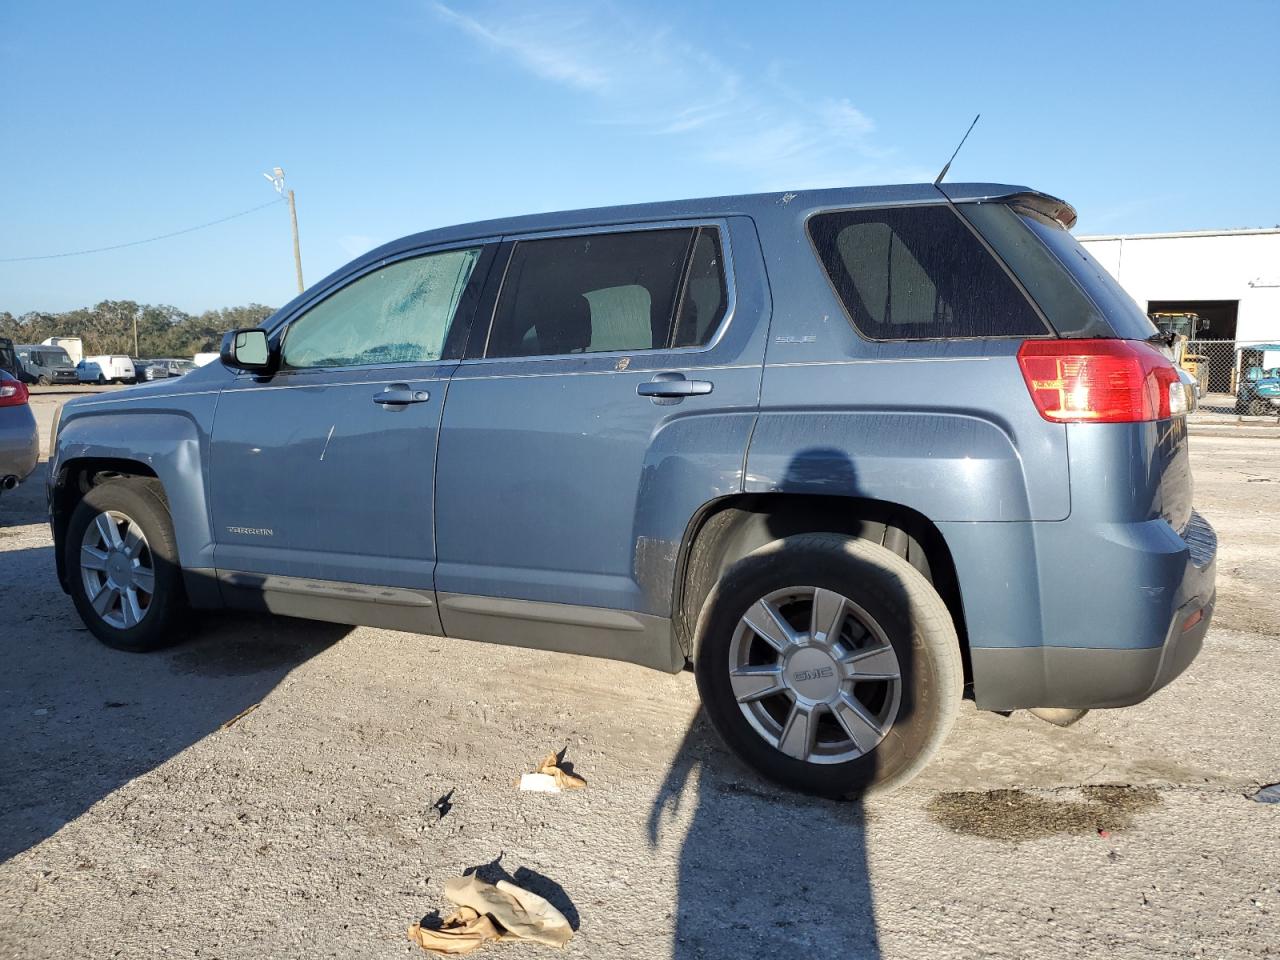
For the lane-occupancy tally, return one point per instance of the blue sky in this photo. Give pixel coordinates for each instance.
(126, 120)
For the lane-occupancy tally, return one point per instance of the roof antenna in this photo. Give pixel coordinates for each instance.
(947, 166)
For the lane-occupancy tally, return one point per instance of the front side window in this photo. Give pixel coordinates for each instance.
(398, 314)
(919, 273)
(610, 292)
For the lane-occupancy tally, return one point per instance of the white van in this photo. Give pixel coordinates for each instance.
(111, 368)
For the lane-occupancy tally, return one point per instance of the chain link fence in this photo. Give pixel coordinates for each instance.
(1238, 379)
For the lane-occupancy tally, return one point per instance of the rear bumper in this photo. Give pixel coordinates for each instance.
(1156, 587)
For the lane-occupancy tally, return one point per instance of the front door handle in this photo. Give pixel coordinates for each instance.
(400, 395)
(668, 388)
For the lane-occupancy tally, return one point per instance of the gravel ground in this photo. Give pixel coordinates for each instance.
(137, 821)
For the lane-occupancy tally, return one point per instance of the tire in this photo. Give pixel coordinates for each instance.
(135, 506)
(890, 618)
(102, 381)
(42, 380)
(1258, 407)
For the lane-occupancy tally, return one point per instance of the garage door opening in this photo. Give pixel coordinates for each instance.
(1217, 322)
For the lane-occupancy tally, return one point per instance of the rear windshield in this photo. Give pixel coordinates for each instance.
(1082, 300)
(919, 273)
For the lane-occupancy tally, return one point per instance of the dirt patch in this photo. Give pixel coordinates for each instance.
(1017, 815)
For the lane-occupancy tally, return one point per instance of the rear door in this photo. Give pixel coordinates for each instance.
(613, 392)
(323, 473)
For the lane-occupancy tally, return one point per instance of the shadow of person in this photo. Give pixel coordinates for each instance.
(763, 871)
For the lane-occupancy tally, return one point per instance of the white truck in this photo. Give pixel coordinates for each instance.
(73, 345)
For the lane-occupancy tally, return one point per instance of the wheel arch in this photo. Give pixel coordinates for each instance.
(727, 529)
(167, 446)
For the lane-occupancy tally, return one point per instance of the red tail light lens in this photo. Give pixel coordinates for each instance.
(1099, 381)
(13, 393)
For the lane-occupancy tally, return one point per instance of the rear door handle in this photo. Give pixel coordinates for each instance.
(400, 395)
(672, 388)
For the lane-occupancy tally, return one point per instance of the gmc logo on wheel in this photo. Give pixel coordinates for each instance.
(818, 674)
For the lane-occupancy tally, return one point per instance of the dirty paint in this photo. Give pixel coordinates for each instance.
(1018, 815)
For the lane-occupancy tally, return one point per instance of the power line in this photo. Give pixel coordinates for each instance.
(135, 243)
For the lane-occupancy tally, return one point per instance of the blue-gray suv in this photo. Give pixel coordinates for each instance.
(853, 454)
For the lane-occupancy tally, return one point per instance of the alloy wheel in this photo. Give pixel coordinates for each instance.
(117, 569)
(815, 675)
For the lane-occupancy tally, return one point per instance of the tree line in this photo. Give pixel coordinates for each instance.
(163, 331)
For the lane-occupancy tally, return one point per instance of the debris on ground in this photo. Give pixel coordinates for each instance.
(1268, 794)
(486, 912)
(550, 777)
(239, 716)
(443, 805)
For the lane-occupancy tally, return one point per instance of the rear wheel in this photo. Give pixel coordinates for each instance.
(829, 664)
(122, 563)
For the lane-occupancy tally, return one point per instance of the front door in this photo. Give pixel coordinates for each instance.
(613, 394)
(321, 476)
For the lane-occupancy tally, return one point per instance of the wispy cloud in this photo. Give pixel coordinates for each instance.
(648, 79)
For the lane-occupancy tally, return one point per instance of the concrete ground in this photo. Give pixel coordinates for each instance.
(140, 818)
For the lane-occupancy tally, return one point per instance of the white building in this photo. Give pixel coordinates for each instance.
(1231, 278)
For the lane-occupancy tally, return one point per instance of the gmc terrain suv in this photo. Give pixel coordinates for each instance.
(848, 452)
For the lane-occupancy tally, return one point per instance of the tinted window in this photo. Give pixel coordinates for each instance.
(1127, 319)
(589, 294)
(399, 314)
(919, 273)
(703, 304)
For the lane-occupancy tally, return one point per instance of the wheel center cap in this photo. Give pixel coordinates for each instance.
(119, 568)
(813, 674)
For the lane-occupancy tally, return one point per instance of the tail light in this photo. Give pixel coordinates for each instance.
(1101, 381)
(13, 393)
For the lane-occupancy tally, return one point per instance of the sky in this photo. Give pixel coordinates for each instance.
(124, 121)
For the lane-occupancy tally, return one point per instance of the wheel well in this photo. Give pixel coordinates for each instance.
(75, 479)
(728, 529)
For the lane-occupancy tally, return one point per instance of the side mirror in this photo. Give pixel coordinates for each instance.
(246, 350)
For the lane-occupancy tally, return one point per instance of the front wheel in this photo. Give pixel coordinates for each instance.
(122, 563)
(829, 664)
(42, 380)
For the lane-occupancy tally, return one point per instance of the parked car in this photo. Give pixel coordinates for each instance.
(9, 359)
(848, 452)
(45, 365)
(176, 367)
(89, 372)
(144, 370)
(19, 439)
(108, 368)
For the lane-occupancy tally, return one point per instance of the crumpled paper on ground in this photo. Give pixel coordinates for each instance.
(549, 778)
(488, 912)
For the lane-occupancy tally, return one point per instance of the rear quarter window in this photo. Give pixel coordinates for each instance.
(919, 273)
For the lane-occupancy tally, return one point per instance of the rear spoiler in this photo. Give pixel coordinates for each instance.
(1045, 205)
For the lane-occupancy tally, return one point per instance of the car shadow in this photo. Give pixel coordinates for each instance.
(83, 719)
(788, 876)
(25, 505)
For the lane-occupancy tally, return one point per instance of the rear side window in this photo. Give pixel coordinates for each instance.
(918, 273)
(705, 294)
(609, 292)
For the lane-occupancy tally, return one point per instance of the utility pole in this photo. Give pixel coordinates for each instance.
(297, 251)
(276, 176)
(136, 352)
